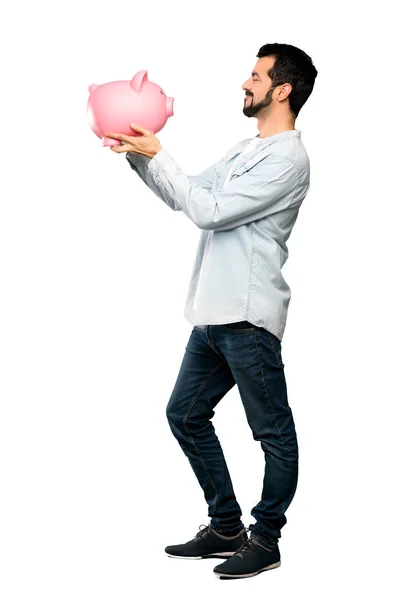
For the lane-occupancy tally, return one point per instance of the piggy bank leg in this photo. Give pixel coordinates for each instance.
(110, 142)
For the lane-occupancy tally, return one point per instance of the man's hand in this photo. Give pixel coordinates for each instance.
(147, 143)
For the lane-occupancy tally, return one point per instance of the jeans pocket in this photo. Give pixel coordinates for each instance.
(276, 346)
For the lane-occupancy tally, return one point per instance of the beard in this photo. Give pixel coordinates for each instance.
(250, 109)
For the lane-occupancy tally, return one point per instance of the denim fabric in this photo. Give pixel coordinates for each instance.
(216, 358)
(245, 205)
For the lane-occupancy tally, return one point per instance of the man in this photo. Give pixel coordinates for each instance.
(246, 205)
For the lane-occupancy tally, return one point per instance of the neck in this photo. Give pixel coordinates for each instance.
(271, 125)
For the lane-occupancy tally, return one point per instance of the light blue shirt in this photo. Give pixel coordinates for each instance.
(245, 205)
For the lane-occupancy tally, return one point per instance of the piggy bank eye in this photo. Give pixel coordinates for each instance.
(161, 92)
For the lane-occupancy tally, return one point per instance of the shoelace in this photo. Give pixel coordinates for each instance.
(202, 532)
(248, 546)
(205, 531)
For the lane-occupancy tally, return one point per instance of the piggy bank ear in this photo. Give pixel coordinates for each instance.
(137, 81)
(93, 87)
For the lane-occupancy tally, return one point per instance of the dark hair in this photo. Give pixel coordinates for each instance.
(293, 66)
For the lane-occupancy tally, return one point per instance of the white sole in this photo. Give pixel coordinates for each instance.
(224, 575)
(219, 555)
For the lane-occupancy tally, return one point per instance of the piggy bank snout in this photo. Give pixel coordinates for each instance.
(170, 106)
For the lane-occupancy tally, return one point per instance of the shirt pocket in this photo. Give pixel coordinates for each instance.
(248, 164)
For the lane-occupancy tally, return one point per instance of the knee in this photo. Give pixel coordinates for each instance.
(172, 414)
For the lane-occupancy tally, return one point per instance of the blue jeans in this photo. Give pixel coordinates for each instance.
(216, 358)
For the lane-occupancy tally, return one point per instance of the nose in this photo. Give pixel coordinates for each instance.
(246, 87)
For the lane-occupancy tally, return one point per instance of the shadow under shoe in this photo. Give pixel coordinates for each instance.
(209, 543)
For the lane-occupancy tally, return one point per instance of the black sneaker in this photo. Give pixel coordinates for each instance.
(252, 558)
(209, 543)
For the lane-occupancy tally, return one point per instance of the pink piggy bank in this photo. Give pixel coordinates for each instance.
(113, 106)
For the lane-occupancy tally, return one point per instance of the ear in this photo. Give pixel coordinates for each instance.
(137, 81)
(285, 91)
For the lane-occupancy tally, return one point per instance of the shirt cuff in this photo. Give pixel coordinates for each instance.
(158, 161)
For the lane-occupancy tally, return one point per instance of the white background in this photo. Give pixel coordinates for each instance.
(94, 273)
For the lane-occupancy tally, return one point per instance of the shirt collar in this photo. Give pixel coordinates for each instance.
(282, 134)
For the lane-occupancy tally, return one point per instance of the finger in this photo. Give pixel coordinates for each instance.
(123, 148)
(119, 136)
(140, 129)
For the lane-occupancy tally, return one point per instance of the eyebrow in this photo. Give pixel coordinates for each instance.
(255, 73)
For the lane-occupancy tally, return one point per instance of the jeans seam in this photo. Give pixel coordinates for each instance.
(266, 393)
(214, 370)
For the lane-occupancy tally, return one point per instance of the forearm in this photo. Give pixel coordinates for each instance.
(139, 163)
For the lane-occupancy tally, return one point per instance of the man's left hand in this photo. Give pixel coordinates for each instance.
(147, 143)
